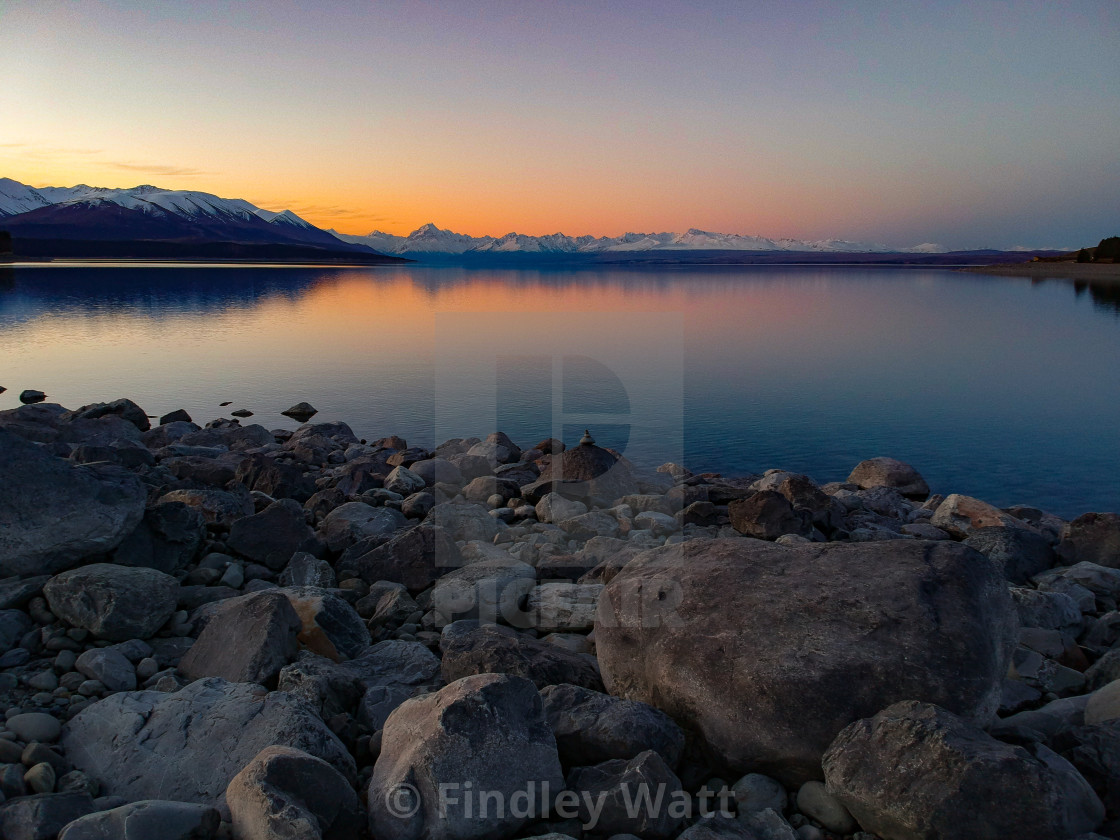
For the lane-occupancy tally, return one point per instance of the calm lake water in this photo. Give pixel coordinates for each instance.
(996, 387)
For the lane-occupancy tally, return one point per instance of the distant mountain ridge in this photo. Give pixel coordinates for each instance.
(53, 221)
(429, 239)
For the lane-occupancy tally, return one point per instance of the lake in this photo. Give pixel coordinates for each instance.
(997, 387)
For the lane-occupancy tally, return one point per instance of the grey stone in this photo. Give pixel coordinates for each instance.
(1094, 537)
(561, 606)
(247, 639)
(554, 507)
(286, 794)
(917, 772)
(768, 515)
(416, 557)
(113, 602)
(757, 792)
(465, 522)
(592, 727)
(814, 801)
(329, 625)
(108, 666)
(1019, 553)
(272, 536)
(148, 819)
(887, 472)
(308, 570)
(16, 592)
(187, 745)
(618, 784)
(864, 625)
(489, 590)
(167, 539)
(469, 648)
(404, 481)
(42, 816)
(960, 515)
(34, 726)
(14, 625)
(355, 521)
(57, 514)
(489, 729)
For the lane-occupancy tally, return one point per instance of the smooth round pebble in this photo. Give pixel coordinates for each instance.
(756, 792)
(44, 681)
(147, 668)
(35, 726)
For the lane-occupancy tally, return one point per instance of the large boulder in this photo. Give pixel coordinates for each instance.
(767, 515)
(638, 795)
(1019, 553)
(488, 730)
(112, 602)
(469, 648)
(887, 472)
(286, 794)
(272, 536)
(767, 652)
(247, 639)
(123, 408)
(592, 727)
(189, 744)
(917, 772)
(54, 515)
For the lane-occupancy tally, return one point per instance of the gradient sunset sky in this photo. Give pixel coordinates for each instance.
(970, 124)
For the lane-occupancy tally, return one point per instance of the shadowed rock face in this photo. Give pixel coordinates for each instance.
(917, 772)
(768, 652)
(55, 515)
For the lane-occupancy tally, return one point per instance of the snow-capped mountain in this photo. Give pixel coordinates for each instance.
(431, 240)
(150, 213)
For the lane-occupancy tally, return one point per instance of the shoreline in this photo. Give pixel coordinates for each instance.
(1103, 274)
(156, 572)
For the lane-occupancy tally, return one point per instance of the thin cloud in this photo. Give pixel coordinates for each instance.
(159, 169)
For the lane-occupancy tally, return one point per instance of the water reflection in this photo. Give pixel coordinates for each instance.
(993, 386)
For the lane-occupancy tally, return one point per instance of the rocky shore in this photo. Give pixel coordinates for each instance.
(227, 631)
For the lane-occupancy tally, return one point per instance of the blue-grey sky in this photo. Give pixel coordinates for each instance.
(969, 124)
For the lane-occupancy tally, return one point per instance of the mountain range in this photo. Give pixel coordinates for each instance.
(148, 221)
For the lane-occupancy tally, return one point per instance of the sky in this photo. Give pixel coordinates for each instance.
(967, 124)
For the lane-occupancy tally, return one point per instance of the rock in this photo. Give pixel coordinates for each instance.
(43, 816)
(563, 607)
(1094, 537)
(768, 515)
(1103, 704)
(898, 619)
(187, 745)
(404, 481)
(301, 412)
(887, 472)
(167, 539)
(355, 521)
(219, 508)
(35, 726)
(615, 786)
(286, 794)
(31, 396)
(592, 727)
(56, 514)
(272, 536)
(437, 470)
(113, 602)
(756, 792)
(1019, 553)
(496, 452)
(179, 415)
(917, 772)
(125, 409)
(595, 523)
(265, 628)
(148, 819)
(660, 524)
(1049, 610)
(717, 828)
(489, 590)
(110, 667)
(554, 508)
(329, 625)
(15, 593)
(960, 515)
(489, 649)
(465, 522)
(14, 625)
(1095, 752)
(815, 802)
(592, 472)
(416, 557)
(308, 570)
(418, 505)
(488, 729)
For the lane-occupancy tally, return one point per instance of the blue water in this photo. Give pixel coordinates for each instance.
(1001, 388)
